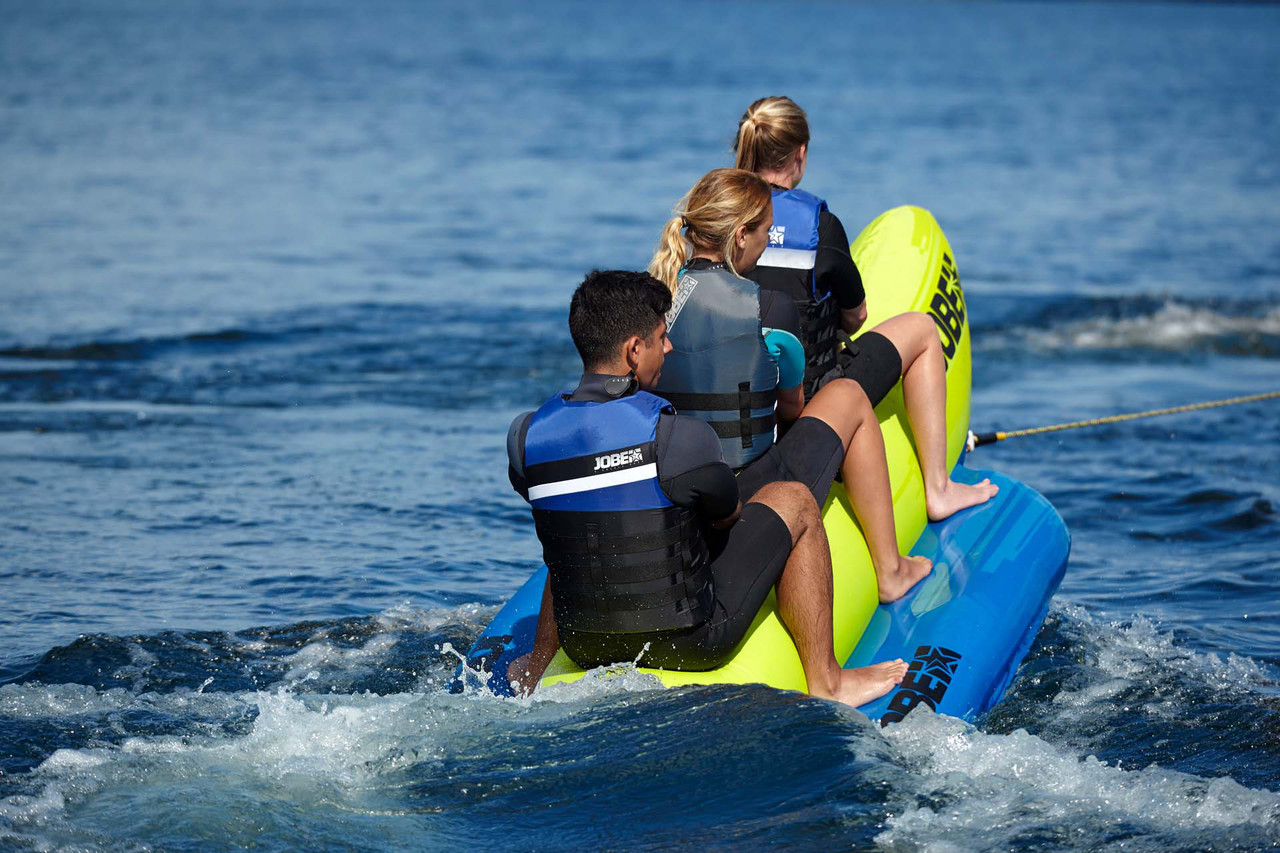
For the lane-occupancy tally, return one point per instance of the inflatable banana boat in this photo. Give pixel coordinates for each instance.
(965, 627)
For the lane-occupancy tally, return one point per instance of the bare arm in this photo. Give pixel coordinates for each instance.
(790, 403)
(525, 671)
(851, 319)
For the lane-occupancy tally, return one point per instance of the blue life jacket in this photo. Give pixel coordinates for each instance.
(622, 558)
(788, 265)
(719, 369)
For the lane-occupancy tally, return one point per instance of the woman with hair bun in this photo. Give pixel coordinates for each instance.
(737, 363)
(808, 260)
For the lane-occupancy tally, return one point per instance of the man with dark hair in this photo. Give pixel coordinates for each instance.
(610, 307)
(645, 540)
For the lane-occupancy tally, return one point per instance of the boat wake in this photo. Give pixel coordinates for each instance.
(1113, 732)
(971, 790)
(1219, 327)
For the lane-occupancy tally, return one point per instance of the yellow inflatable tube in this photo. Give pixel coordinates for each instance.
(906, 265)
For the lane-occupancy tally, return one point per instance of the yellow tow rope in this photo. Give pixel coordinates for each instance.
(979, 439)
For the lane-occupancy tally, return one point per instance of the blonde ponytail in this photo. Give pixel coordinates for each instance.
(709, 217)
(769, 133)
(746, 143)
(671, 254)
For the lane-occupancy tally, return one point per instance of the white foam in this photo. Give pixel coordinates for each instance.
(1174, 326)
(404, 616)
(995, 786)
(72, 760)
(316, 742)
(601, 681)
(333, 741)
(594, 683)
(1137, 651)
(34, 701)
(37, 701)
(26, 809)
(321, 656)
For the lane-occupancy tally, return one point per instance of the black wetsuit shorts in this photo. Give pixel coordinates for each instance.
(810, 453)
(873, 362)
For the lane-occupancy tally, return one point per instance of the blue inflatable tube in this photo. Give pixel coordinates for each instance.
(968, 625)
(964, 629)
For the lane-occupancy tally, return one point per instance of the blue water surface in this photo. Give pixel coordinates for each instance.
(276, 276)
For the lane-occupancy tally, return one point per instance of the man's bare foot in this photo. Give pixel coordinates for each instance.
(952, 497)
(896, 582)
(859, 686)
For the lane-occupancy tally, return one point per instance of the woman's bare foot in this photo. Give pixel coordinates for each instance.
(859, 686)
(907, 573)
(952, 497)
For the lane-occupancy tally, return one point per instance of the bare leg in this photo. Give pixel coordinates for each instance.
(804, 603)
(843, 405)
(924, 390)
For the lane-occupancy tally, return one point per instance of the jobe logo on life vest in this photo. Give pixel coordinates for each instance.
(634, 456)
(947, 307)
(927, 680)
(777, 235)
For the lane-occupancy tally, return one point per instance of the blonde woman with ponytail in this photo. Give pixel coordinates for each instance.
(726, 216)
(737, 363)
(808, 260)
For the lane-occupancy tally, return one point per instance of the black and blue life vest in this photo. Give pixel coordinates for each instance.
(787, 265)
(621, 557)
(719, 369)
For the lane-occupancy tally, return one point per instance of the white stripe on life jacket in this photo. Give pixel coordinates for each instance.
(792, 259)
(594, 481)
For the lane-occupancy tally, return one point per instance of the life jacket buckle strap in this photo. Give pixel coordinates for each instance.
(849, 346)
(750, 427)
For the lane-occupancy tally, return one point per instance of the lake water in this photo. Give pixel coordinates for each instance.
(276, 276)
